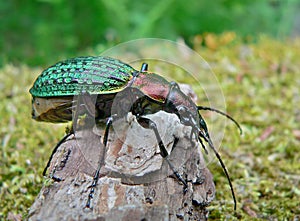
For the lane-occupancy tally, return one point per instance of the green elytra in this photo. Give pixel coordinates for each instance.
(95, 75)
(54, 89)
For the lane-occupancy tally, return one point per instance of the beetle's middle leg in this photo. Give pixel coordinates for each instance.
(149, 124)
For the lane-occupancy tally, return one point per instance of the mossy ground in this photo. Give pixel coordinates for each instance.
(260, 83)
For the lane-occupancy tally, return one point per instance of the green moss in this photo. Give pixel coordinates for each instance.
(25, 144)
(261, 85)
(262, 93)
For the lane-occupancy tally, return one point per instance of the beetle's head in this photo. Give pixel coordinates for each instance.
(184, 107)
(188, 113)
(192, 118)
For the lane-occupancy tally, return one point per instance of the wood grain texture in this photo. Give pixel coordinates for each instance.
(136, 183)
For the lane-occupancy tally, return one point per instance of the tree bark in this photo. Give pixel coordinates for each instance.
(135, 182)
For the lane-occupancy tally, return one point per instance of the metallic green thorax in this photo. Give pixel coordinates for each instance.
(95, 75)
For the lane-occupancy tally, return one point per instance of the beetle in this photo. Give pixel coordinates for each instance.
(104, 77)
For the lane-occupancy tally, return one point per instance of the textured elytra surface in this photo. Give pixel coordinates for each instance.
(90, 74)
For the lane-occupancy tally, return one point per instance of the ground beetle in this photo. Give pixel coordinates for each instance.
(54, 90)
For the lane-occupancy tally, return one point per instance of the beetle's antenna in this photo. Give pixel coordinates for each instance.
(222, 113)
(208, 140)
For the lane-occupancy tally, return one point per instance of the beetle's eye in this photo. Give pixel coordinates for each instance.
(181, 110)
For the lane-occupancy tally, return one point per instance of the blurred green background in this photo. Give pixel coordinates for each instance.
(253, 46)
(44, 31)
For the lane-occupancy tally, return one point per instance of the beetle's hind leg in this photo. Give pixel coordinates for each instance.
(101, 161)
(54, 151)
(149, 124)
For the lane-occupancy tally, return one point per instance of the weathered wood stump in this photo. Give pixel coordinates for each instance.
(135, 183)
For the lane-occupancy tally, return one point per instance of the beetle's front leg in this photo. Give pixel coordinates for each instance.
(149, 124)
